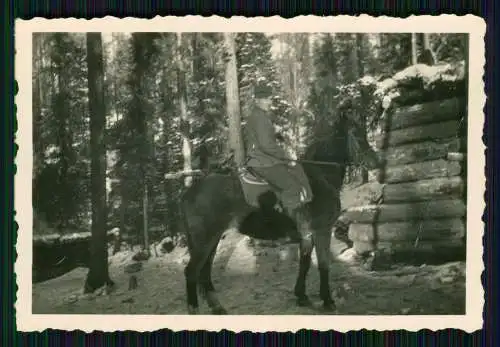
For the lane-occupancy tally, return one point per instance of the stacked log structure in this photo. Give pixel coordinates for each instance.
(421, 205)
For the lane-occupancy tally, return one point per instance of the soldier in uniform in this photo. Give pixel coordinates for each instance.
(266, 158)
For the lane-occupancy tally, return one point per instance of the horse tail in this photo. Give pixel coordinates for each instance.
(182, 223)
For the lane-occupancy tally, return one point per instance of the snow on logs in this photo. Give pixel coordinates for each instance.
(421, 204)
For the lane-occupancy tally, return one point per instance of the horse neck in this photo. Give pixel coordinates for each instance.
(332, 151)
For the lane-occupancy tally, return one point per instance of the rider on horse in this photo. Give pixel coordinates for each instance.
(268, 160)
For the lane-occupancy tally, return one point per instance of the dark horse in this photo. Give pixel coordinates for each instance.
(214, 202)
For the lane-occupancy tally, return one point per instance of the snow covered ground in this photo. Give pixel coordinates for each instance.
(258, 280)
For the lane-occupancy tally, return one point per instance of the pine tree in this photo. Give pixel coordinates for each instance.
(98, 267)
(326, 80)
(255, 65)
(233, 102)
(61, 179)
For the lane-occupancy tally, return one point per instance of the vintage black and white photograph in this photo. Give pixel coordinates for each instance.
(251, 173)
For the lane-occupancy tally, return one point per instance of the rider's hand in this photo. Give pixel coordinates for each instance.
(292, 163)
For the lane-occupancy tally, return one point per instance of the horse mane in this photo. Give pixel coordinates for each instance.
(328, 143)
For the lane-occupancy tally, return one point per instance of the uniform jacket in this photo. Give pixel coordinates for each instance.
(262, 148)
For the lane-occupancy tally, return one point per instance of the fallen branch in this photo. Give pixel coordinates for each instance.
(180, 174)
(56, 239)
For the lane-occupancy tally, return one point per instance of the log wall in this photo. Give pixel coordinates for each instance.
(422, 204)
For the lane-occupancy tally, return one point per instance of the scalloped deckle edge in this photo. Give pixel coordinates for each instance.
(475, 26)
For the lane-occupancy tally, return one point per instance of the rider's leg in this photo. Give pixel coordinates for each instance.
(290, 194)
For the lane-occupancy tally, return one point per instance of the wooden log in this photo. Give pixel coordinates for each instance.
(408, 97)
(416, 230)
(443, 229)
(436, 188)
(363, 247)
(456, 156)
(422, 245)
(430, 112)
(55, 254)
(419, 133)
(424, 252)
(451, 208)
(415, 152)
(53, 239)
(362, 233)
(365, 194)
(422, 170)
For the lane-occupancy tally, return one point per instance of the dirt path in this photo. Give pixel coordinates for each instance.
(259, 280)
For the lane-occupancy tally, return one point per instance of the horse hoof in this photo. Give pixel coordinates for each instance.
(304, 302)
(219, 310)
(329, 306)
(193, 310)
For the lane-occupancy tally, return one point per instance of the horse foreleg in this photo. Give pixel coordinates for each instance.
(323, 240)
(208, 287)
(300, 284)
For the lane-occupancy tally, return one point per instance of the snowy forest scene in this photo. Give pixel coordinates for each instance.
(145, 199)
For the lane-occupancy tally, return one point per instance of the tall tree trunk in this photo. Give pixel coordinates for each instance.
(233, 101)
(413, 48)
(167, 111)
(357, 64)
(64, 138)
(37, 102)
(98, 268)
(123, 207)
(149, 180)
(426, 41)
(360, 53)
(354, 63)
(145, 217)
(426, 55)
(185, 127)
(142, 47)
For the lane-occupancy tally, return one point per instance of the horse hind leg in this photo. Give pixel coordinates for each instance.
(197, 257)
(323, 255)
(191, 273)
(207, 286)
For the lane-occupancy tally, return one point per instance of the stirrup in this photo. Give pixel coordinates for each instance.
(307, 236)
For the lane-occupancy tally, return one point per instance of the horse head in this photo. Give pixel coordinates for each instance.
(342, 140)
(359, 151)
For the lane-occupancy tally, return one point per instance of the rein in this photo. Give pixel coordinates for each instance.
(180, 174)
(316, 162)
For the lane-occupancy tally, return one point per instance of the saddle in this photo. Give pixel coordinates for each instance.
(253, 186)
(267, 222)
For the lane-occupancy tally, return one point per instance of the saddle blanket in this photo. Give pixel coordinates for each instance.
(255, 187)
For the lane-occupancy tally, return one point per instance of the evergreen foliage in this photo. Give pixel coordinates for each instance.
(315, 77)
